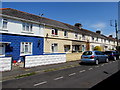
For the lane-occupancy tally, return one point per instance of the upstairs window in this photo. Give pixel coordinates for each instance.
(65, 33)
(5, 22)
(27, 27)
(76, 35)
(93, 38)
(54, 32)
(83, 37)
(97, 39)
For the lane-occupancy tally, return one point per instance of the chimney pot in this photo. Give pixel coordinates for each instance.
(110, 36)
(99, 32)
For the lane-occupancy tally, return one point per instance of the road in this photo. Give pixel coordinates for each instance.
(82, 76)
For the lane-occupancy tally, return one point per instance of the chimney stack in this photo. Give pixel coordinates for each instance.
(99, 32)
(110, 36)
(78, 25)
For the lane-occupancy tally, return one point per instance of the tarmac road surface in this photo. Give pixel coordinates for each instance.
(83, 76)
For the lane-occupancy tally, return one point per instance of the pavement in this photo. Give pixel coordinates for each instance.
(18, 72)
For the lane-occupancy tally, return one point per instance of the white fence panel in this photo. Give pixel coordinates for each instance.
(38, 60)
(5, 64)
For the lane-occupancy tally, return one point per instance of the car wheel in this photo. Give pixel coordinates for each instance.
(107, 60)
(96, 62)
(114, 58)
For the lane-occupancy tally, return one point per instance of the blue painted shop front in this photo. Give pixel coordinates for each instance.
(13, 49)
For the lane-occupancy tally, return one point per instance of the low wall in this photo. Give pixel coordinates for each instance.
(73, 56)
(38, 60)
(5, 63)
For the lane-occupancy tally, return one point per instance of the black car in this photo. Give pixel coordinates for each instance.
(112, 55)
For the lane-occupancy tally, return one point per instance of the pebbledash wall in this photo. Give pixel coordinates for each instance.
(15, 43)
(46, 59)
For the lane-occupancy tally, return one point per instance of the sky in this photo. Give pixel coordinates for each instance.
(92, 15)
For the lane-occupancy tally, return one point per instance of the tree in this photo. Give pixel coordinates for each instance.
(97, 48)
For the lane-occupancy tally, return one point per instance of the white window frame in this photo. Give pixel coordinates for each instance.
(66, 48)
(27, 27)
(76, 35)
(83, 37)
(23, 49)
(5, 26)
(3, 49)
(53, 47)
(54, 31)
(65, 33)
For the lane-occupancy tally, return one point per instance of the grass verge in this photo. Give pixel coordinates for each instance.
(25, 75)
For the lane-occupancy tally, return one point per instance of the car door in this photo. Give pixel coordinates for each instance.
(103, 56)
(98, 55)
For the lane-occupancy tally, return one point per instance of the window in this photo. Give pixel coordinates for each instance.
(76, 48)
(87, 53)
(93, 38)
(27, 27)
(65, 33)
(26, 48)
(54, 47)
(97, 39)
(93, 47)
(76, 35)
(83, 48)
(2, 49)
(66, 48)
(5, 22)
(105, 40)
(54, 32)
(83, 37)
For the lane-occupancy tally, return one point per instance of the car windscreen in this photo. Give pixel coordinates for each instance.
(87, 53)
(108, 52)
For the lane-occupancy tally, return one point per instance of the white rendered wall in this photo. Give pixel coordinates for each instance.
(38, 60)
(15, 27)
(5, 64)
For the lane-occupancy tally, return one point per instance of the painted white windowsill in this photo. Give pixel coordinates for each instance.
(66, 36)
(4, 29)
(27, 32)
(23, 54)
(54, 35)
(2, 55)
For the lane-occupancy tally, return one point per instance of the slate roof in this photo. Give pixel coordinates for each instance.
(50, 22)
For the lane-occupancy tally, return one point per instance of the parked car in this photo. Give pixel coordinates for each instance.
(94, 57)
(113, 55)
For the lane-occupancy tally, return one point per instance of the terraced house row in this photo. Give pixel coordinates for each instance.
(24, 34)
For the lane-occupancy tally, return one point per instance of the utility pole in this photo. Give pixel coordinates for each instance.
(116, 29)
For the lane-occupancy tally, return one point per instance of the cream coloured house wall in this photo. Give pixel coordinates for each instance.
(48, 44)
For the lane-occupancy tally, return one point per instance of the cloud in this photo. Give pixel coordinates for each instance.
(99, 26)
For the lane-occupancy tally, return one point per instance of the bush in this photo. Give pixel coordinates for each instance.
(97, 48)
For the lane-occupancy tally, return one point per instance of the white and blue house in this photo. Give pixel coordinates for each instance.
(20, 35)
